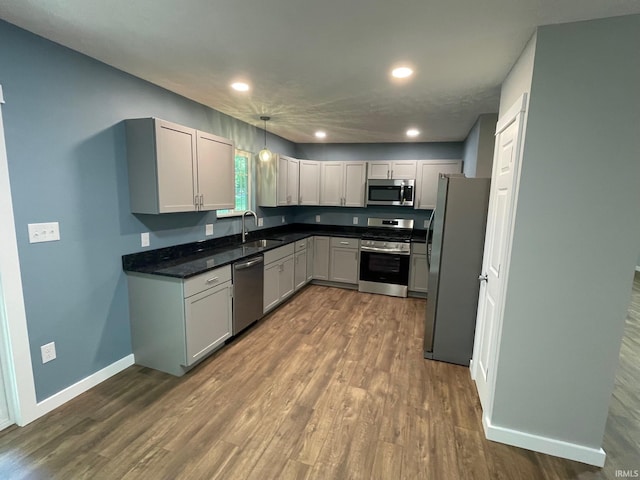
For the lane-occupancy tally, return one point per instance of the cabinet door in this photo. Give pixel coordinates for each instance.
(293, 180)
(354, 184)
(379, 170)
(215, 172)
(207, 321)
(321, 258)
(418, 273)
(176, 163)
(281, 185)
(344, 265)
(310, 255)
(300, 268)
(271, 292)
(427, 181)
(309, 183)
(287, 277)
(403, 169)
(331, 183)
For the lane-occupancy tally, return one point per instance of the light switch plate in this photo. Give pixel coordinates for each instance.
(144, 239)
(282, 218)
(355, 220)
(208, 229)
(426, 223)
(44, 232)
(261, 222)
(317, 218)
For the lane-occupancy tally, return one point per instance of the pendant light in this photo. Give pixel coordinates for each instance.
(265, 154)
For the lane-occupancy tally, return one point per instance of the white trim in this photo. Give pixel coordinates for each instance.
(549, 446)
(63, 396)
(22, 397)
(509, 116)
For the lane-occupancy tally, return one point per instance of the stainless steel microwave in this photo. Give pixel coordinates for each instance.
(390, 192)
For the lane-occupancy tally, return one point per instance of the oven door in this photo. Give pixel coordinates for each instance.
(386, 273)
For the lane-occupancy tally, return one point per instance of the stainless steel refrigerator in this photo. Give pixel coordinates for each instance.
(459, 225)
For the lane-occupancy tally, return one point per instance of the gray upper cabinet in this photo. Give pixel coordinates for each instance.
(397, 169)
(173, 168)
(278, 181)
(427, 181)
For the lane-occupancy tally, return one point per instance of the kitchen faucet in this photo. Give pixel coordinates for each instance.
(244, 231)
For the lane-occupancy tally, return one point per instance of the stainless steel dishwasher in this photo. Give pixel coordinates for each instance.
(248, 284)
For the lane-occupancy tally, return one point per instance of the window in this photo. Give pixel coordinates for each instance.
(243, 185)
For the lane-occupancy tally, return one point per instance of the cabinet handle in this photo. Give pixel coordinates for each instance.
(212, 279)
(202, 200)
(344, 243)
(391, 174)
(196, 201)
(300, 199)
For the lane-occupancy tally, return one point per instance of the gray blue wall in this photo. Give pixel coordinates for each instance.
(565, 306)
(65, 140)
(66, 149)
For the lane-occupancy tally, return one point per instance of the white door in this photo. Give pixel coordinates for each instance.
(496, 250)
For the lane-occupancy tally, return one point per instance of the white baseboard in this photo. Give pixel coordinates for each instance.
(62, 397)
(549, 446)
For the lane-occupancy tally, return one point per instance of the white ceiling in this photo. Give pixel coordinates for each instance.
(316, 64)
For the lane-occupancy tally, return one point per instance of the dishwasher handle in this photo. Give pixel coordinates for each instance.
(248, 263)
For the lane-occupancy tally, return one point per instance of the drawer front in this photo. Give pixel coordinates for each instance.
(345, 242)
(206, 280)
(278, 253)
(419, 248)
(301, 245)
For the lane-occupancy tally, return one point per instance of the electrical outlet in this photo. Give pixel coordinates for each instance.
(426, 224)
(355, 220)
(48, 352)
(317, 218)
(144, 239)
(208, 229)
(261, 222)
(282, 218)
(43, 232)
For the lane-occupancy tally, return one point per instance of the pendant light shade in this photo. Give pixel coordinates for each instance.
(265, 154)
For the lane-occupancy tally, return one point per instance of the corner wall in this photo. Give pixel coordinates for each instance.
(565, 304)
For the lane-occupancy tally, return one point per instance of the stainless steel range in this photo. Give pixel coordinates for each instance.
(385, 251)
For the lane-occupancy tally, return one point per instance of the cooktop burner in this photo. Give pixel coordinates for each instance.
(396, 229)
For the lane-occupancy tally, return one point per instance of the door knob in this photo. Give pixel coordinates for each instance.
(483, 278)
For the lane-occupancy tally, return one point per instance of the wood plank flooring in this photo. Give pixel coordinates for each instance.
(331, 385)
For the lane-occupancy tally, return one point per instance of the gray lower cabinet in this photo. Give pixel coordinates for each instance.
(278, 275)
(344, 258)
(418, 269)
(321, 249)
(310, 254)
(300, 264)
(175, 323)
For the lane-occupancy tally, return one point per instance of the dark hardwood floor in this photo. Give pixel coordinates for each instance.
(331, 385)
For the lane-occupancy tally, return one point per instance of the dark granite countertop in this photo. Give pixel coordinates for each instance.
(190, 259)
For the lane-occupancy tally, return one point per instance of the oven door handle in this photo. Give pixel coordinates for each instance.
(383, 250)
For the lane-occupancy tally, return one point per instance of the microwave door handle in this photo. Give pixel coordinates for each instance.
(402, 194)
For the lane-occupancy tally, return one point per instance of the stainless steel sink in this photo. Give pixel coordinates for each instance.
(264, 243)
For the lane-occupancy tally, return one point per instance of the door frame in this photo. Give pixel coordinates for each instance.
(14, 345)
(510, 116)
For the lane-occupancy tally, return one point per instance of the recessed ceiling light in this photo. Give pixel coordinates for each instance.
(240, 86)
(402, 72)
(321, 134)
(413, 132)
